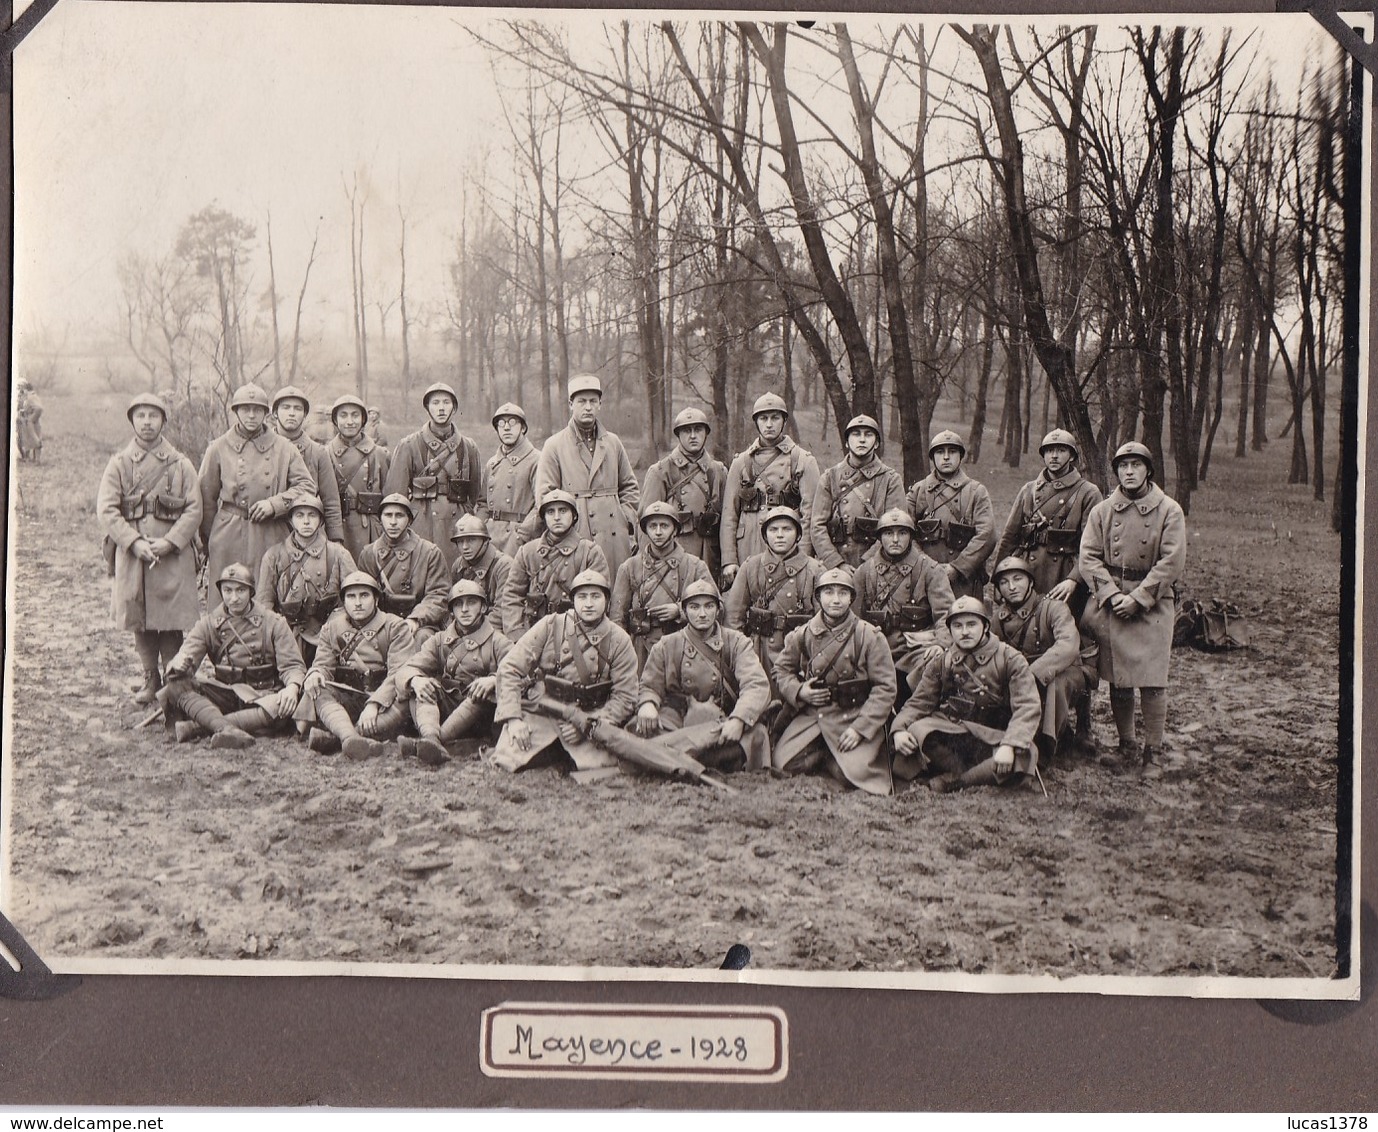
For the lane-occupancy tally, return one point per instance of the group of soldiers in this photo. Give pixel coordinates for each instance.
(427, 595)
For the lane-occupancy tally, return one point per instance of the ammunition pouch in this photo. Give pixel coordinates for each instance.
(865, 529)
(257, 676)
(928, 531)
(424, 488)
(837, 530)
(639, 621)
(400, 604)
(975, 709)
(791, 496)
(849, 694)
(958, 535)
(456, 689)
(316, 608)
(882, 619)
(133, 507)
(586, 697)
(708, 524)
(363, 503)
(361, 681)
(460, 491)
(1063, 544)
(750, 498)
(768, 621)
(912, 618)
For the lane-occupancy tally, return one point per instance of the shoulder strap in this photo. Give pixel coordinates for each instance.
(836, 656)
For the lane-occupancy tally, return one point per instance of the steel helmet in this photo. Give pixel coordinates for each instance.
(768, 403)
(291, 391)
(557, 495)
(1010, 565)
(467, 588)
(509, 409)
(837, 576)
(896, 517)
(237, 572)
(313, 502)
(947, 439)
(438, 387)
(1063, 437)
(1132, 448)
(152, 400)
(590, 579)
(863, 421)
(584, 383)
(470, 526)
(783, 513)
(702, 588)
(361, 578)
(346, 400)
(399, 500)
(972, 605)
(690, 417)
(661, 509)
(250, 394)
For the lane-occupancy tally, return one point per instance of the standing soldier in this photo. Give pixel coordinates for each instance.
(361, 468)
(773, 472)
(480, 561)
(851, 498)
(646, 594)
(249, 477)
(1132, 554)
(953, 516)
(692, 482)
(509, 482)
(374, 427)
(591, 464)
(149, 506)
(544, 569)
(301, 576)
(291, 408)
(29, 412)
(411, 571)
(1044, 526)
(438, 469)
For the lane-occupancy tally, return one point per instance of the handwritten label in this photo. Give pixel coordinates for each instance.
(689, 1043)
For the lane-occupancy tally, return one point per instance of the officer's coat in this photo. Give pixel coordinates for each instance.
(861, 652)
(254, 638)
(865, 492)
(792, 580)
(770, 468)
(293, 572)
(490, 570)
(318, 463)
(411, 565)
(960, 499)
(546, 566)
(240, 472)
(652, 578)
(383, 643)
(452, 456)
(548, 650)
(1046, 633)
(913, 580)
(603, 484)
(163, 598)
(691, 487)
(359, 467)
(509, 493)
(1137, 547)
(1065, 503)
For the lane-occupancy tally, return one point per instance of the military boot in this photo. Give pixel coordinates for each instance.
(358, 748)
(153, 684)
(186, 730)
(322, 742)
(431, 752)
(406, 746)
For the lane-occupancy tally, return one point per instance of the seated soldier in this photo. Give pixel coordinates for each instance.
(905, 594)
(480, 561)
(972, 719)
(1044, 630)
(300, 576)
(837, 673)
(646, 593)
(715, 668)
(852, 496)
(412, 571)
(539, 581)
(258, 669)
(451, 681)
(773, 591)
(578, 657)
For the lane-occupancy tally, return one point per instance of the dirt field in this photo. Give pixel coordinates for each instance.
(1222, 862)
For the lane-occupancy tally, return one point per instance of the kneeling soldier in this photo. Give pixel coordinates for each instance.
(539, 581)
(973, 717)
(300, 577)
(412, 571)
(258, 669)
(480, 561)
(837, 673)
(714, 666)
(580, 658)
(646, 592)
(354, 675)
(452, 679)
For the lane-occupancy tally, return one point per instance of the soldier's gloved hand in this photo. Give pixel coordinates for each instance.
(647, 720)
(666, 611)
(261, 512)
(424, 688)
(368, 719)
(143, 551)
(162, 548)
(729, 573)
(484, 688)
(1004, 759)
(905, 743)
(849, 740)
(731, 731)
(519, 731)
(1064, 590)
(313, 683)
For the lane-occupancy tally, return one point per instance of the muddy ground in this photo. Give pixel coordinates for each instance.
(124, 845)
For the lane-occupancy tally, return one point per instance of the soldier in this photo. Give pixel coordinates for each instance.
(509, 482)
(712, 666)
(1045, 523)
(451, 680)
(954, 520)
(773, 593)
(249, 477)
(905, 594)
(591, 464)
(480, 561)
(438, 469)
(544, 569)
(693, 483)
(646, 594)
(258, 669)
(411, 571)
(1133, 549)
(973, 717)
(300, 577)
(29, 423)
(290, 410)
(851, 497)
(149, 507)
(837, 672)
(580, 658)
(361, 468)
(1044, 630)
(353, 679)
(773, 472)
(375, 429)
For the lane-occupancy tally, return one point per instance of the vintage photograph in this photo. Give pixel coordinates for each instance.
(530, 492)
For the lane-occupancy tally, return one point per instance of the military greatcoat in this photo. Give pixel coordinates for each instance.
(653, 578)
(907, 598)
(151, 493)
(762, 477)
(257, 638)
(845, 494)
(377, 650)
(509, 492)
(694, 486)
(490, 570)
(302, 582)
(416, 581)
(602, 481)
(769, 597)
(361, 469)
(318, 463)
(440, 474)
(1044, 526)
(960, 500)
(539, 579)
(1046, 633)
(455, 659)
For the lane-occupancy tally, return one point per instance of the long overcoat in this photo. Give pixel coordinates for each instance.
(771, 585)
(963, 500)
(294, 576)
(383, 643)
(360, 468)
(652, 578)
(771, 471)
(318, 463)
(546, 567)
(509, 492)
(602, 482)
(1042, 505)
(911, 595)
(848, 493)
(1046, 633)
(490, 570)
(254, 638)
(148, 483)
(1136, 547)
(423, 456)
(413, 566)
(693, 486)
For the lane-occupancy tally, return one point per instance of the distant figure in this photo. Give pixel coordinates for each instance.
(374, 428)
(28, 413)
